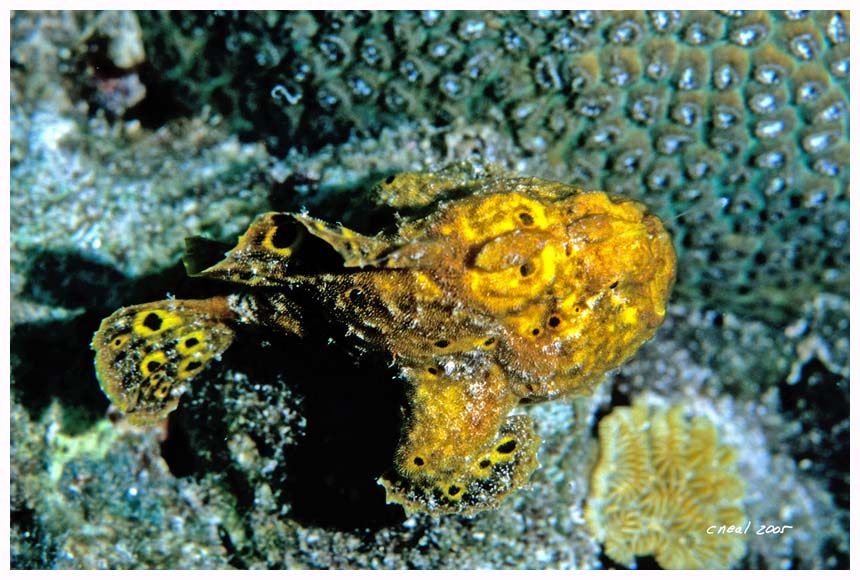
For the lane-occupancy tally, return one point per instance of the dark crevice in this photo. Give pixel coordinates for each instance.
(177, 450)
(234, 557)
(617, 399)
(352, 410)
(820, 401)
(32, 548)
(647, 563)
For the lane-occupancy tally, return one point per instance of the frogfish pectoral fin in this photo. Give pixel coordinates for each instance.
(147, 354)
(461, 452)
(504, 466)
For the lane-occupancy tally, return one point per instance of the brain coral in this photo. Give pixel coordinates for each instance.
(660, 484)
(739, 117)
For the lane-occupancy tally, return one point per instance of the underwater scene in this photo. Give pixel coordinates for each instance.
(429, 290)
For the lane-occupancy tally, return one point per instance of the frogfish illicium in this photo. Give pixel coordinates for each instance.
(509, 290)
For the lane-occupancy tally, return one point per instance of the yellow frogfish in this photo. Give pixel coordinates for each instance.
(510, 290)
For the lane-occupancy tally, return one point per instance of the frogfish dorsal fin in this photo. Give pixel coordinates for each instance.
(201, 253)
(262, 256)
(356, 249)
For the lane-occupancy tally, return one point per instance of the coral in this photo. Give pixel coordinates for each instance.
(105, 499)
(665, 486)
(109, 52)
(522, 289)
(100, 166)
(791, 444)
(84, 183)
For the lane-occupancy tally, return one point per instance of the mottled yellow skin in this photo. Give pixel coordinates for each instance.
(576, 281)
(517, 289)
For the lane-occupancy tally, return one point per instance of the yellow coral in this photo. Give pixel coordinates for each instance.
(663, 486)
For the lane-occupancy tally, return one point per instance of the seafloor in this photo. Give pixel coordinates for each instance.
(131, 131)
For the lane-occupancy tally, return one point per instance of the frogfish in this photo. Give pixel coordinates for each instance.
(508, 290)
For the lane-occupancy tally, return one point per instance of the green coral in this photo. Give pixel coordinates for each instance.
(94, 444)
